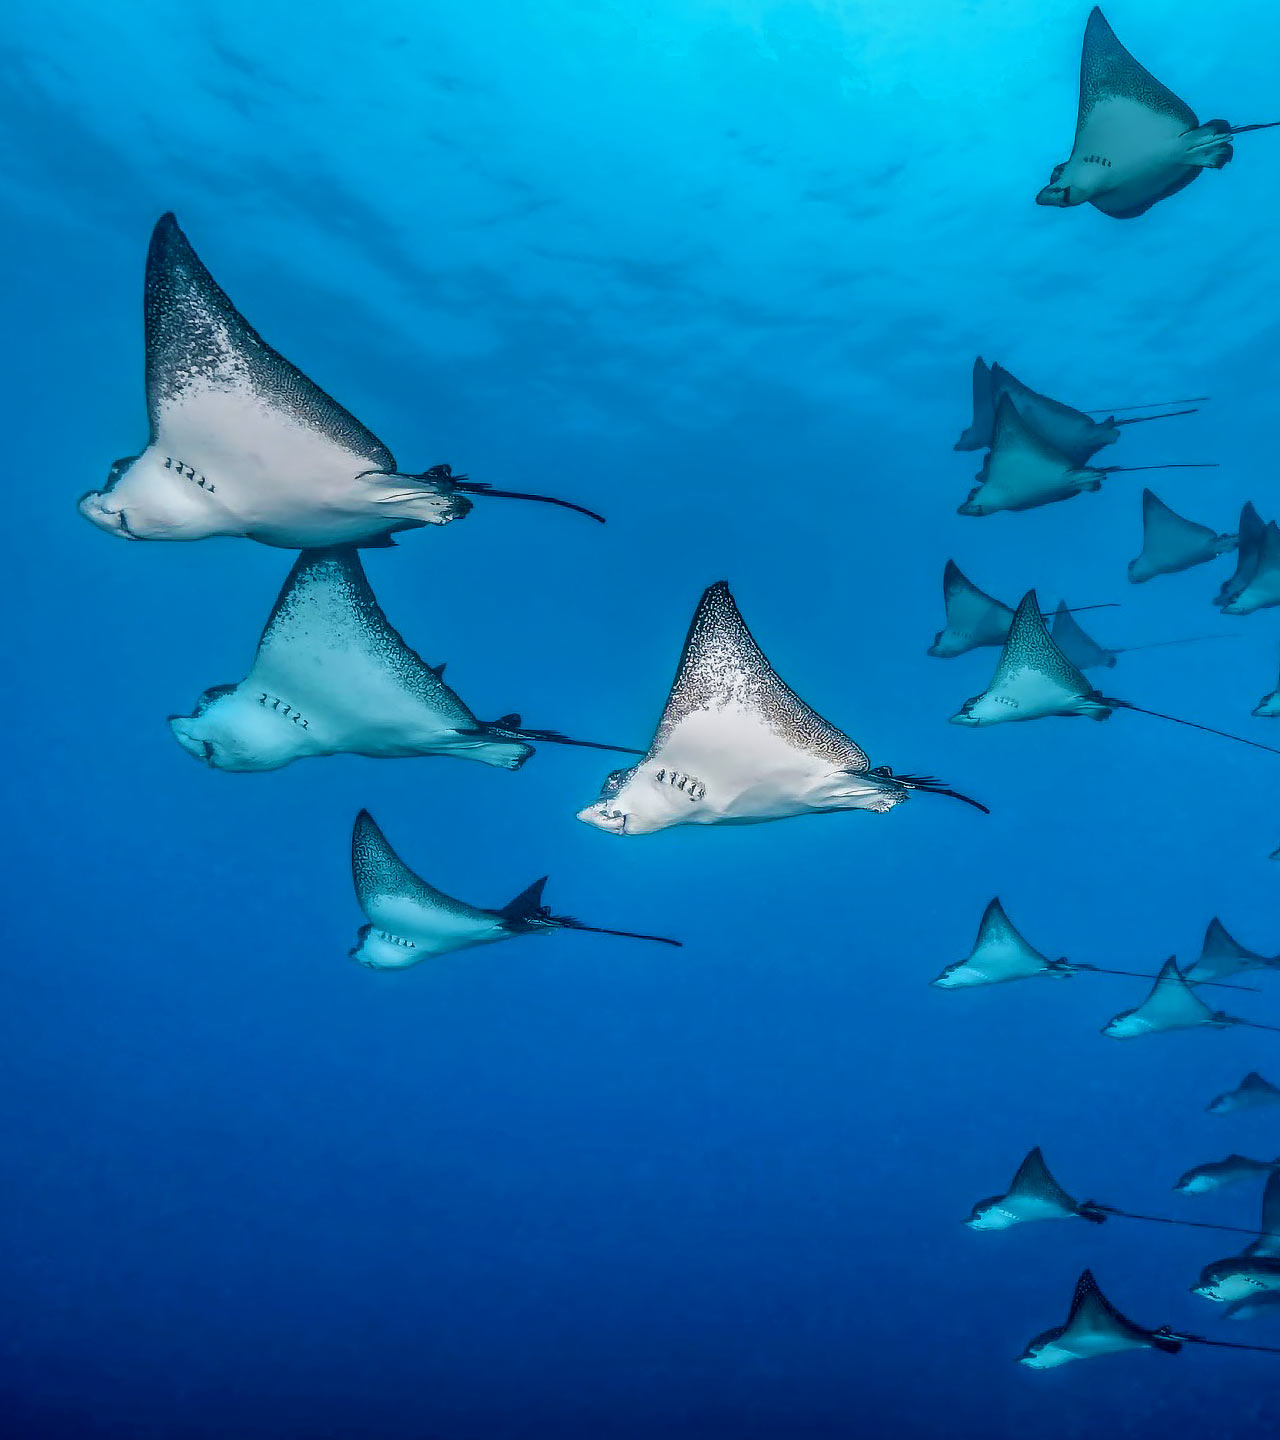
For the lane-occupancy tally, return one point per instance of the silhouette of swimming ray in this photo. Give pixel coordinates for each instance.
(1222, 955)
(1218, 1174)
(1251, 1093)
(1171, 543)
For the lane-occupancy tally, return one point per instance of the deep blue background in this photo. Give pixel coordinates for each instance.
(719, 267)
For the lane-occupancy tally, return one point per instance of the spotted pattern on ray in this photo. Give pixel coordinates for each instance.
(1030, 647)
(196, 337)
(1091, 1309)
(721, 665)
(327, 591)
(378, 871)
(1107, 69)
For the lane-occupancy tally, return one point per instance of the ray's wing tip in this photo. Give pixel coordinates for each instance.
(167, 236)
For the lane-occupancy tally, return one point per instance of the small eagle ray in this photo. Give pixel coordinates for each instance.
(409, 920)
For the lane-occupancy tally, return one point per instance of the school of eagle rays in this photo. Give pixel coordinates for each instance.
(241, 443)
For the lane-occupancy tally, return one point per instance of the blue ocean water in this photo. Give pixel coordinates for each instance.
(718, 268)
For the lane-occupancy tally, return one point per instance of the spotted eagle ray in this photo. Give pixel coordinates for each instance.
(1222, 955)
(1257, 1268)
(1074, 432)
(1136, 142)
(1172, 1005)
(1172, 543)
(1085, 653)
(1023, 470)
(1218, 1174)
(736, 746)
(243, 443)
(1095, 1328)
(1034, 1194)
(1269, 706)
(332, 676)
(1034, 679)
(410, 920)
(1252, 533)
(1001, 954)
(1251, 1093)
(974, 618)
(1261, 588)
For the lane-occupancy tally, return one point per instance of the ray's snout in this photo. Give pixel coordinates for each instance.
(183, 728)
(96, 507)
(1057, 195)
(612, 822)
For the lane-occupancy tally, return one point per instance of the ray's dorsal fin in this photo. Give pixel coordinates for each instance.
(1077, 644)
(527, 903)
(1108, 71)
(722, 666)
(196, 338)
